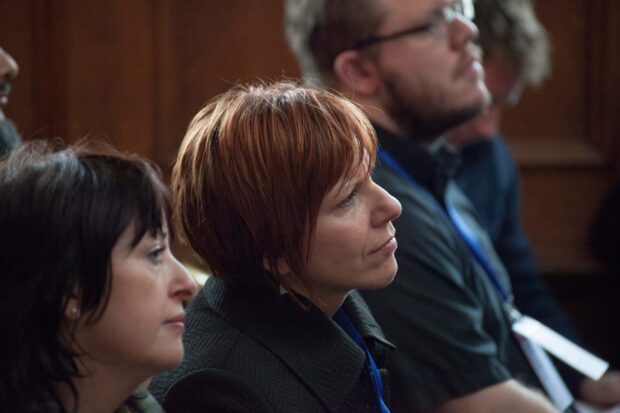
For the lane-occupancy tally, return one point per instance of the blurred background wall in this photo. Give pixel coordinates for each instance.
(136, 71)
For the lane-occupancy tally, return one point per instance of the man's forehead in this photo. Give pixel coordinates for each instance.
(410, 11)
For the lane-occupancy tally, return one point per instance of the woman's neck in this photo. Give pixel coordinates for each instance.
(330, 308)
(330, 302)
(102, 390)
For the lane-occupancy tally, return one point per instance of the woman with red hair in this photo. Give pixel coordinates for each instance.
(272, 189)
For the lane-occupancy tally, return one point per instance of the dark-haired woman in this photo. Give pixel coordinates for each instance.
(91, 298)
(272, 188)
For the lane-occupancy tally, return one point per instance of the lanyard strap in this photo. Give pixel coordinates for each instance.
(462, 229)
(539, 360)
(476, 249)
(345, 323)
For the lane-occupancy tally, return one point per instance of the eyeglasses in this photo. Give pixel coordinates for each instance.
(437, 25)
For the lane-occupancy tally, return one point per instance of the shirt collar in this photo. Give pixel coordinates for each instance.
(431, 166)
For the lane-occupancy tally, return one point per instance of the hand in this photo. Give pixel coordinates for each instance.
(604, 392)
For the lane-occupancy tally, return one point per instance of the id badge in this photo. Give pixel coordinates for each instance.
(582, 407)
(546, 372)
(567, 351)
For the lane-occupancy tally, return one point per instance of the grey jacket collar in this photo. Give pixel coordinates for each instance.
(315, 348)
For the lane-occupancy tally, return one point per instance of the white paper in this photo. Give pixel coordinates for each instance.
(564, 349)
(582, 407)
(547, 374)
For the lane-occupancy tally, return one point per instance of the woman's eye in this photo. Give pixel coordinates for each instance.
(348, 200)
(156, 252)
(434, 25)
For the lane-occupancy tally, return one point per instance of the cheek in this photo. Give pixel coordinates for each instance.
(410, 73)
(145, 317)
(137, 290)
(338, 245)
(137, 298)
(487, 125)
(130, 324)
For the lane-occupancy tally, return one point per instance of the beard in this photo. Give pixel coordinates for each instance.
(9, 137)
(424, 121)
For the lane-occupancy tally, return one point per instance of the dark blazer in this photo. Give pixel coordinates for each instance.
(254, 353)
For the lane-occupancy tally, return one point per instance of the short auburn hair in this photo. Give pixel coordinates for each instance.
(252, 172)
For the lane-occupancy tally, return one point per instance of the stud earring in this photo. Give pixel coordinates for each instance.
(74, 311)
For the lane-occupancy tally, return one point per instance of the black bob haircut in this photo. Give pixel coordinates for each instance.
(61, 213)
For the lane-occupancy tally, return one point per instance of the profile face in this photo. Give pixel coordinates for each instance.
(435, 76)
(505, 84)
(354, 243)
(9, 136)
(8, 72)
(142, 325)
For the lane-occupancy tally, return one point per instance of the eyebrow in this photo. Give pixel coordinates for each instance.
(164, 233)
(353, 185)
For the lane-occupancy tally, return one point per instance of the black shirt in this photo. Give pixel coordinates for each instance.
(452, 335)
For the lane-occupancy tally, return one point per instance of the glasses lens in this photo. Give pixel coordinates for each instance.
(467, 8)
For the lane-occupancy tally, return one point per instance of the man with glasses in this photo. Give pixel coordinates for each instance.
(414, 68)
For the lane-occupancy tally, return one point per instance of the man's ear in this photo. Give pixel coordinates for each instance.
(357, 72)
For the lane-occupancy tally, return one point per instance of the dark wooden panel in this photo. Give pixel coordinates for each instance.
(206, 47)
(557, 109)
(138, 71)
(564, 134)
(559, 206)
(107, 70)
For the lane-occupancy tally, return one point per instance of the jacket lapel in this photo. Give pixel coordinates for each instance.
(316, 350)
(359, 313)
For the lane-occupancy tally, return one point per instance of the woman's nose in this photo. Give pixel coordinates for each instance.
(184, 285)
(388, 208)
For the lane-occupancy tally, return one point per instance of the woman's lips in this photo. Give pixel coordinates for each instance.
(178, 321)
(389, 246)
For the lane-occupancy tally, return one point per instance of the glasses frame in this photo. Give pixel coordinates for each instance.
(464, 8)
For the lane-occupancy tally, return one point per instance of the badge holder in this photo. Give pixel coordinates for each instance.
(536, 340)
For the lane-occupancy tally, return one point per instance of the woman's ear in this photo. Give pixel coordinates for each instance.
(72, 309)
(357, 72)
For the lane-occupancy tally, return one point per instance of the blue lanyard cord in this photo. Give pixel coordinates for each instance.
(474, 246)
(345, 323)
(545, 375)
(461, 227)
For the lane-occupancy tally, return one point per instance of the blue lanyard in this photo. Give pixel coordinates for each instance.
(461, 227)
(535, 357)
(345, 323)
